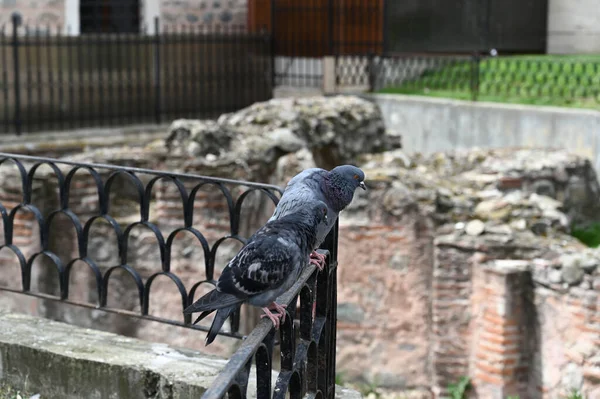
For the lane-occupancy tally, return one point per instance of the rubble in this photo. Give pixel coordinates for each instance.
(335, 129)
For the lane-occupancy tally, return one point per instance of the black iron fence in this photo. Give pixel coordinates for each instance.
(549, 79)
(49, 80)
(48, 192)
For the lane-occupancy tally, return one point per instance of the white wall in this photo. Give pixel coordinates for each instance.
(573, 26)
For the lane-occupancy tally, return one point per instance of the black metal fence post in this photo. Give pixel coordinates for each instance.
(157, 92)
(372, 72)
(273, 44)
(475, 76)
(16, 21)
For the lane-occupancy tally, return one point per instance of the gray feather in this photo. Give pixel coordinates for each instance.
(266, 267)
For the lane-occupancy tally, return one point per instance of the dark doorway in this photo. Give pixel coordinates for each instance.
(109, 16)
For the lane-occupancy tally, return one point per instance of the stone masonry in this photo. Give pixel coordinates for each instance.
(454, 264)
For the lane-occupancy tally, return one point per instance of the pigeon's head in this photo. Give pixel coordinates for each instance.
(343, 181)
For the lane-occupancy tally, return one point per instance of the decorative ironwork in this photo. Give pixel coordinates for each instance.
(307, 347)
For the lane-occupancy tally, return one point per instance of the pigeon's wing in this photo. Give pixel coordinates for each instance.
(260, 266)
(301, 189)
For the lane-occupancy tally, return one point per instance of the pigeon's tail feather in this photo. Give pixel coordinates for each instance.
(214, 300)
(218, 321)
(203, 315)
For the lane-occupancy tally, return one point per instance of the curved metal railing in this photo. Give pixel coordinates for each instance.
(307, 346)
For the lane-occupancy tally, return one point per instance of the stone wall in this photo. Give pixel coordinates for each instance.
(204, 12)
(35, 13)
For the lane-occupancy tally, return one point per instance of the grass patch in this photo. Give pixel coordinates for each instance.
(559, 80)
(589, 235)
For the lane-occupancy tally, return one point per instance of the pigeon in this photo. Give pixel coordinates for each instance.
(266, 267)
(336, 188)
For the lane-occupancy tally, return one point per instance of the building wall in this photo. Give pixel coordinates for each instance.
(41, 13)
(65, 13)
(204, 12)
(573, 26)
(430, 124)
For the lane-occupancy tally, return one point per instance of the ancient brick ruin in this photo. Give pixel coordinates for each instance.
(451, 265)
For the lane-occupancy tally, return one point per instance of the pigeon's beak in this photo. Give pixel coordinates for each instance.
(362, 185)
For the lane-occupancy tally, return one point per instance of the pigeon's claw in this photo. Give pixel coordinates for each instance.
(318, 260)
(280, 310)
(274, 317)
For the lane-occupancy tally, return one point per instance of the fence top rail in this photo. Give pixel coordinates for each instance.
(4, 155)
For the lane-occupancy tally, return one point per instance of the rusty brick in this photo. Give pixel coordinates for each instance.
(500, 340)
(509, 182)
(489, 379)
(498, 320)
(496, 370)
(594, 329)
(508, 350)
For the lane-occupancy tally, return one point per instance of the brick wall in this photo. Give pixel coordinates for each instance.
(502, 346)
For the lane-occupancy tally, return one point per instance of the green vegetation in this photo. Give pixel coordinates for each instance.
(575, 395)
(459, 390)
(589, 235)
(7, 392)
(572, 81)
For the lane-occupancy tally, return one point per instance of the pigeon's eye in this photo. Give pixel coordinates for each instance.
(355, 177)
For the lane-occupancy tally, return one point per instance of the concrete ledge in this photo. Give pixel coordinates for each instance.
(59, 360)
(436, 124)
(80, 139)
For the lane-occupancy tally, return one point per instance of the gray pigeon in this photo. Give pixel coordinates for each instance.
(265, 268)
(335, 188)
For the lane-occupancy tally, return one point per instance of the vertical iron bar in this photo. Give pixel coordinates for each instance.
(475, 76)
(49, 58)
(3, 46)
(121, 113)
(110, 79)
(186, 58)
(179, 71)
(29, 79)
(60, 42)
(193, 58)
(38, 78)
(92, 67)
(157, 94)
(71, 109)
(130, 47)
(139, 43)
(81, 100)
(103, 110)
(273, 44)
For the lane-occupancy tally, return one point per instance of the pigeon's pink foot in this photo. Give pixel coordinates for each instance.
(274, 317)
(280, 310)
(318, 260)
